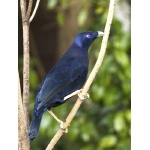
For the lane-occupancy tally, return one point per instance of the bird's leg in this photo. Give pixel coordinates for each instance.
(58, 120)
(72, 94)
(55, 117)
(78, 92)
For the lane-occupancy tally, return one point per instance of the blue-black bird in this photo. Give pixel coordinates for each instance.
(67, 76)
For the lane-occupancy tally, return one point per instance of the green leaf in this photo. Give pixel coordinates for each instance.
(82, 17)
(119, 122)
(51, 4)
(99, 10)
(128, 114)
(121, 57)
(108, 141)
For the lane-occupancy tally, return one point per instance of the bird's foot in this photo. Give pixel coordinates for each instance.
(78, 92)
(83, 97)
(65, 130)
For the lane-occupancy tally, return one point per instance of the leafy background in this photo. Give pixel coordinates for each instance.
(103, 121)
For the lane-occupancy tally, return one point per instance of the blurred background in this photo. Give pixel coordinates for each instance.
(103, 121)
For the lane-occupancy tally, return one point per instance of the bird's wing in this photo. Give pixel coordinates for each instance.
(56, 80)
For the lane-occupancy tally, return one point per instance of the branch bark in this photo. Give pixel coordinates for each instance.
(25, 25)
(26, 70)
(23, 107)
(23, 8)
(23, 142)
(29, 8)
(90, 79)
(24, 112)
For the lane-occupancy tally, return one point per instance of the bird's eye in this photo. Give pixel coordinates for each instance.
(88, 35)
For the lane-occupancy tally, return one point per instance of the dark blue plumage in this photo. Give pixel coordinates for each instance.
(67, 76)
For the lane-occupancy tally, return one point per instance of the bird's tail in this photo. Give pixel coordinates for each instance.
(34, 127)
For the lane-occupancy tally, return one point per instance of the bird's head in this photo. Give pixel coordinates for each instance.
(85, 39)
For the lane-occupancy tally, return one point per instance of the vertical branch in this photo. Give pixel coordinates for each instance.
(23, 8)
(26, 71)
(25, 25)
(23, 143)
(29, 8)
(90, 79)
(23, 109)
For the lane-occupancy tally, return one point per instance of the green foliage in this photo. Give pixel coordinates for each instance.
(108, 141)
(103, 121)
(82, 17)
(60, 18)
(51, 4)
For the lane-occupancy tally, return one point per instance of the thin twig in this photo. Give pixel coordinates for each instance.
(34, 11)
(23, 8)
(23, 142)
(90, 79)
(29, 9)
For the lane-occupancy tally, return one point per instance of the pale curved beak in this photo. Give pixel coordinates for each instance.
(100, 33)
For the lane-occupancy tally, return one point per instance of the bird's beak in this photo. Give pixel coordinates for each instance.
(100, 33)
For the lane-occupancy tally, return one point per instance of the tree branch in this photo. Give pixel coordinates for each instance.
(91, 77)
(25, 25)
(23, 8)
(25, 119)
(29, 8)
(34, 11)
(23, 109)
(23, 143)
(26, 70)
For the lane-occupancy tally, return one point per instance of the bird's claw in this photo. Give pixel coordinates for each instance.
(83, 97)
(78, 92)
(62, 127)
